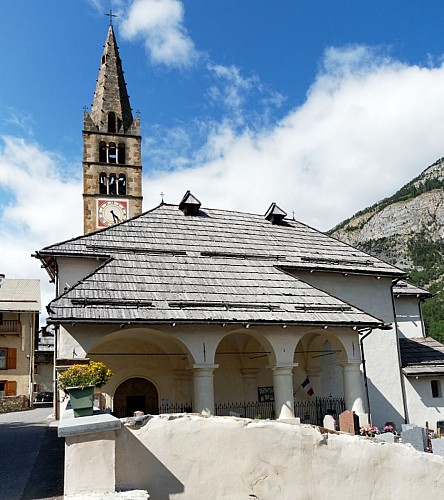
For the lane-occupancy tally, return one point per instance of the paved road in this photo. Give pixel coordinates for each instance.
(31, 456)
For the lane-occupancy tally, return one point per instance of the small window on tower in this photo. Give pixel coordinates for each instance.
(121, 154)
(103, 183)
(112, 184)
(112, 122)
(102, 152)
(112, 153)
(122, 184)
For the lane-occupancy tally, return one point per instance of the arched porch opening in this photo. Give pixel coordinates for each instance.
(136, 394)
(318, 378)
(150, 367)
(243, 381)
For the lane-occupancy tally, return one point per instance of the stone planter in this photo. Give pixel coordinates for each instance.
(82, 400)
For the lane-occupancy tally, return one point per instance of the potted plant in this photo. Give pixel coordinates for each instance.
(79, 381)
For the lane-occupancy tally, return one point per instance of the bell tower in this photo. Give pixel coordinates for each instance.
(112, 159)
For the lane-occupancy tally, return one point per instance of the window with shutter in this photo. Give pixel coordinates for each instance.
(11, 360)
(11, 388)
(8, 358)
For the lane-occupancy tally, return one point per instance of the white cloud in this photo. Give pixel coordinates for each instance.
(42, 210)
(234, 88)
(159, 23)
(369, 125)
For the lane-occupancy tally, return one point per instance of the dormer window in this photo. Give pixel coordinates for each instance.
(275, 214)
(190, 204)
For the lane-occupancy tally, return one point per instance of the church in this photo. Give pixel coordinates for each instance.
(200, 309)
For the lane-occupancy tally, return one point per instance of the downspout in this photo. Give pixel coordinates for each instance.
(364, 369)
(401, 375)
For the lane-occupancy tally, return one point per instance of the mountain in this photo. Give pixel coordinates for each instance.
(407, 230)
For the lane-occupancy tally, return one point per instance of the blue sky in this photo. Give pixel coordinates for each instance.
(323, 107)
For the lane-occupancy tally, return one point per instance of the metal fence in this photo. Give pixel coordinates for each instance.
(246, 409)
(310, 412)
(314, 411)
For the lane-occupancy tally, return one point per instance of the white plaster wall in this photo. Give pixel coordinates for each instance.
(191, 457)
(422, 407)
(381, 346)
(408, 317)
(72, 269)
(45, 377)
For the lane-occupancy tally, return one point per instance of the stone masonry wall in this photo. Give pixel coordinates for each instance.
(13, 403)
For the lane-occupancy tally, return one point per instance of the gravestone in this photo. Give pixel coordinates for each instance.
(438, 446)
(416, 436)
(405, 427)
(387, 437)
(329, 422)
(349, 422)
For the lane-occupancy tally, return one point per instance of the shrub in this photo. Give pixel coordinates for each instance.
(95, 373)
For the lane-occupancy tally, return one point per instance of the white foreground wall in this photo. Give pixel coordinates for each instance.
(191, 456)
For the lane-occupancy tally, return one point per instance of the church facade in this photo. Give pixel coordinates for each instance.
(194, 308)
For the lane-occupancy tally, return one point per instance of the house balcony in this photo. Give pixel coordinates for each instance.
(10, 327)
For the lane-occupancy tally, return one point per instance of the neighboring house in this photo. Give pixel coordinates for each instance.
(422, 359)
(198, 308)
(19, 320)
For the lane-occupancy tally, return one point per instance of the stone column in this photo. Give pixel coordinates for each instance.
(283, 390)
(249, 378)
(203, 387)
(353, 387)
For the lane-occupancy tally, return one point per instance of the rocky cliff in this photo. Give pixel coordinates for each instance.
(407, 230)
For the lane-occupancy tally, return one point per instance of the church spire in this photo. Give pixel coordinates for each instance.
(111, 110)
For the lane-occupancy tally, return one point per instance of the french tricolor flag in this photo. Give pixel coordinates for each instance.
(307, 387)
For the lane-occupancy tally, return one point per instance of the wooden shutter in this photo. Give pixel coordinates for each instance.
(11, 388)
(11, 359)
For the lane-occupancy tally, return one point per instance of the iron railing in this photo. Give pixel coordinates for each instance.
(246, 410)
(310, 412)
(314, 411)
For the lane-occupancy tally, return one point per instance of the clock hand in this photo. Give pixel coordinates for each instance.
(115, 218)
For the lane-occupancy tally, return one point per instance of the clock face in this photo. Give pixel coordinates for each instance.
(110, 212)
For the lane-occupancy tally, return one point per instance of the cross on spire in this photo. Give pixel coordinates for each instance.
(111, 15)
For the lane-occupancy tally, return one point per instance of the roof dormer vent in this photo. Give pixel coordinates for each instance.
(275, 214)
(190, 204)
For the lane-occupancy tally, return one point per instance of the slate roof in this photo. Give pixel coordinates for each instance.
(216, 266)
(20, 295)
(422, 356)
(404, 288)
